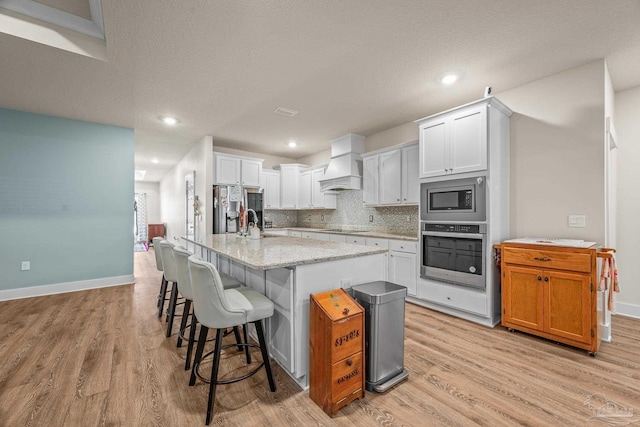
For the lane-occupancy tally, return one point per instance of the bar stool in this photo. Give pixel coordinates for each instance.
(221, 308)
(170, 274)
(164, 284)
(182, 268)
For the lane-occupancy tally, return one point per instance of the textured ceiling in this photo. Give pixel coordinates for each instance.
(347, 66)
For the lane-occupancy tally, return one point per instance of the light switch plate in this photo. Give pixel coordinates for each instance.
(577, 221)
(25, 265)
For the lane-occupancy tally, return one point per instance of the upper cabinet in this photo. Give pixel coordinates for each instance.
(290, 185)
(455, 141)
(391, 176)
(270, 182)
(311, 196)
(234, 170)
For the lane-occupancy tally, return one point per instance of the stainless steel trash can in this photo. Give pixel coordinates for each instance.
(383, 303)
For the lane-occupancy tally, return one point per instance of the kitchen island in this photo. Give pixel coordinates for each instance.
(287, 270)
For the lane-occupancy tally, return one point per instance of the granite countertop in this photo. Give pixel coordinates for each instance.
(281, 251)
(410, 236)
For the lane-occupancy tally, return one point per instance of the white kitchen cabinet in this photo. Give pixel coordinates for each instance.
(390, 176)
(293, 233)
(411, 174)
(234, 170)
(290, 185)
(403, 264)
(370, 180)
(339, 238)
(356, 240)
(270, 182)
(304, 196)
(455, 141)
(310, 196)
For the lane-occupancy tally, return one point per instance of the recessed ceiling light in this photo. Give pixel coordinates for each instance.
(168, 120)
(154, 160)
(449, 78)
(292, 144)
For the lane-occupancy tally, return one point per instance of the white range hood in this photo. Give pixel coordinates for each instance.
(345, 168)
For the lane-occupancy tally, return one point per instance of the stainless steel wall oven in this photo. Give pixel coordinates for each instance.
(454, 253)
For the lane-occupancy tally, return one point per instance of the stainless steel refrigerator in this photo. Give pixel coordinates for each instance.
(229, 201)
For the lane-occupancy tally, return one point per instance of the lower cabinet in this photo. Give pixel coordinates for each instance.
(550, 292)
(403, 270)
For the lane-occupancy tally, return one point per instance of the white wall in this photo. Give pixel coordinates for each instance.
(152, 190)
(173, 195)
(393, 136)
(557, 162)
(627, 110)
(320, 158)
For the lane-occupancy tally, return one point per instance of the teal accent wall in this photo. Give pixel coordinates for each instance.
(66, 200)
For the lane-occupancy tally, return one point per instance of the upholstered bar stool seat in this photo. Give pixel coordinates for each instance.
(164, 283)
(221, 308)
(181, 256)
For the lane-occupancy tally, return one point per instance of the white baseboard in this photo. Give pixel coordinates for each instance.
(629, 310)
(60, 288)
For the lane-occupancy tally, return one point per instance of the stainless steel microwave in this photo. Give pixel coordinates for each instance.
(455, 200)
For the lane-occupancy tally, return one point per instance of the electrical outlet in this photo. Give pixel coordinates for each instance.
(287, 217)
(408, 218)
(322, 218)
(25, 265)
(370, 218)
(309, 218)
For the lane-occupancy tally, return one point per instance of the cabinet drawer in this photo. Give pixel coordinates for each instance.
(347, 378)
(347, 337)
(403, 246)
(355, 240)
(383, 243)
(548, 259)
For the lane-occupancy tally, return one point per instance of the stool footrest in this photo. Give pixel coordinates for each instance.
(232, 380)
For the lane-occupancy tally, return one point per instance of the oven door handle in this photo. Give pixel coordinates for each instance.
(456, 235)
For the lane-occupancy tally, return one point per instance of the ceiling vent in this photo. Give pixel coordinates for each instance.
(285, 112)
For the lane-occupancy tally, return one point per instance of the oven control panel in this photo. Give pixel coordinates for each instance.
(455, 228)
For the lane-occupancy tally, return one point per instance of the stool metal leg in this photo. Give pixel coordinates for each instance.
(160, 295)
(163, 291)
(202, 339)
(214, 375)
(245, 329)
(183, 323)
(192, 338)
(265, 354)
(236, 333)
(171, 311)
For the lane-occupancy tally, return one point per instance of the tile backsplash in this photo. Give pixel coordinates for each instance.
(350, 213)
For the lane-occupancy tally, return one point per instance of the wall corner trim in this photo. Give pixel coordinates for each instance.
(60, 288)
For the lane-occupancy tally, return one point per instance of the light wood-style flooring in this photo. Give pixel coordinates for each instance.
(100, 357)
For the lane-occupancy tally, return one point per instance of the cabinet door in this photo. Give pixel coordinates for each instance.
(228, 170)
(568, 305)
(403, 270)
(410, 175)
(251, 172)
(272, 190)
(468, 141)
(304, 195)
(433, 148)
(522, 297)
(289, 184)
(317, 196)
(370, 180)
(390, 178)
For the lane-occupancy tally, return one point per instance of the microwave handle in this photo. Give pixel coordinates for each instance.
(456, 235)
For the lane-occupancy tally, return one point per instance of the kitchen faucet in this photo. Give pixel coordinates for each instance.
(255, 217)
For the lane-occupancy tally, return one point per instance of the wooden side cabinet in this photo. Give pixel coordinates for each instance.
(155, 230)
(551, 292)
(336, 356)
